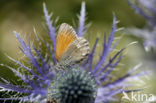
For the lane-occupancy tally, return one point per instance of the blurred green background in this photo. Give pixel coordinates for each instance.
(24, 15)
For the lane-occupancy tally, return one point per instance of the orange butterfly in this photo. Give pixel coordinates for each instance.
(70, 48)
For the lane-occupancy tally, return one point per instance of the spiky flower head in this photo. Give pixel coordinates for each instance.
(90, 82)
(74, 86)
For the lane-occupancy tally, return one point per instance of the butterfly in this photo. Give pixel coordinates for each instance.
(70, 49)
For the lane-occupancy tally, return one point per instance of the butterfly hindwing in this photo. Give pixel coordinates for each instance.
(77, 51)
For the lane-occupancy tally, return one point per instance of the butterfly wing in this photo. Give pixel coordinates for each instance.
(66, 35)
(77, 52)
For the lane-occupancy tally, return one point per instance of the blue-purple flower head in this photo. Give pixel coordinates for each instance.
(90, 82)
(147, 9)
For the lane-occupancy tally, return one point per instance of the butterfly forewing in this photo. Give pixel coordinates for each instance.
(66, 35)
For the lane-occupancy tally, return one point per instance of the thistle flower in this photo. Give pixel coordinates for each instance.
(73, 86)
(146, 8)
(87, 83)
